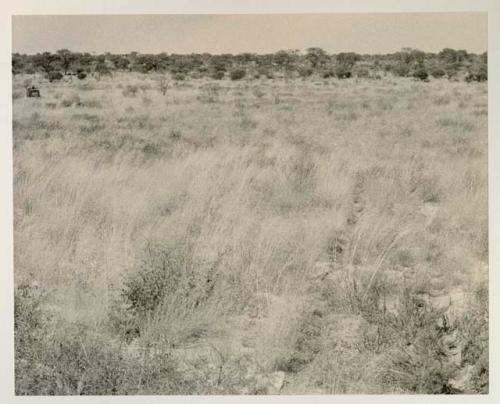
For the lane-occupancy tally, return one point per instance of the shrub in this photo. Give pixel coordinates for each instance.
(478, 73)
(81, 75)
(328, 73)
(401, 70)
(160, 274)
(70, 359)
(361, 72)
(420, 74)
(237, 74)
(438, 72)
(55, 76)
(74, 99)
(264, 71)
(179, 76)
(217, 75)
(342, 72)
(419, 362)
(130, 90)
(305, 71)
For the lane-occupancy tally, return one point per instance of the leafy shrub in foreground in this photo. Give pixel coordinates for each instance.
(432, 355)
(57, 358)
(159, 274)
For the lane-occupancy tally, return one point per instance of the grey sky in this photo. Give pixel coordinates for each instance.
(362, 33)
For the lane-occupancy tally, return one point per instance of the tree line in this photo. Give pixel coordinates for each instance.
(448, 63)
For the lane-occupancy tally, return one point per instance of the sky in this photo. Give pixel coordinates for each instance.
(362, 33)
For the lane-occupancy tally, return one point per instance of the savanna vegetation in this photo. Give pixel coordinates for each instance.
(251, 224)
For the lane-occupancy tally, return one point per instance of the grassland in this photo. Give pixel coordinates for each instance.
(261, 236)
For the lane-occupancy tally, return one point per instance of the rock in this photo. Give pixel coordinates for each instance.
(271, 383)
(462, 380)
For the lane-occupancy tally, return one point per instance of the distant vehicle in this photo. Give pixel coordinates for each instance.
(32, 91)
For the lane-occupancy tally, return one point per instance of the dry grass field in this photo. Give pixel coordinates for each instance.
(250, 237)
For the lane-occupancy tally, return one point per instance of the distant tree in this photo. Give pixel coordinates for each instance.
(18, 63)
(347, 59)
(149, 63)
(46, 61)
(120, 62)
(286, 60)
(305, 71)
(66, 59)
(420, 73)
(317, 57)
(101, 69)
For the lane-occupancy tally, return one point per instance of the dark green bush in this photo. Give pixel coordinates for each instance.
(217, 75)
(401, 70)
(477, 73)
(438, 72)
(54, 76)
(343, 72)
(328, 73)
(160, 273)
(305, 71)
(179, 76)
(81, 75)
(238, 74)
(421, 74)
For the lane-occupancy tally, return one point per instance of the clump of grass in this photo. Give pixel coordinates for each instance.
(130, 90)
(456, 123)
(209, 93)
(73, 99)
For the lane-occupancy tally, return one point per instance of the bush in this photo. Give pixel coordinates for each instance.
(73, 99)
(438, 72)
(81, 75)
(130, 90)
(238, 74)
(401, 70)
(264, 71)
(179, 76)
(305, 71)
(55, 76)
(420, 74)
(361, 72)
(478, 73)
(419, 362)
(160, 274)
(328, 73)
(217, 75)
(342, 72)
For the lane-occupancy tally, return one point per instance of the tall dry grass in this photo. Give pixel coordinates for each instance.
(252, 182)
